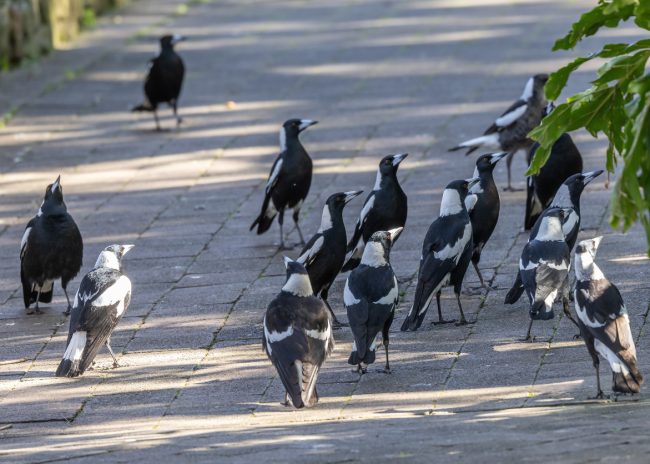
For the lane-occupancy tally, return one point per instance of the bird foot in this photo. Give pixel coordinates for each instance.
(285, 403)
(577, 336)
(464, 322)
(443, 321)
(599, 396)
(67, 312)
(473, 291)
(116, 365)
(337, 325)
(36, 310)
(360, 370)
(528, 339)
(385, 370)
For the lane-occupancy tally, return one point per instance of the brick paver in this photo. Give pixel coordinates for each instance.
(382, 77)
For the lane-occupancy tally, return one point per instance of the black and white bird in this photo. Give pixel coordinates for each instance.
(564, 161)
(385, 208)
(604, 322)
(102, 299)
(544, 268)
(324, 253)
(51, 249)
(567, 197)
(298, 336)
(289, 181)
(446, 254)
(164, 80)
(484, 214)
(371, 294)
(509, 132)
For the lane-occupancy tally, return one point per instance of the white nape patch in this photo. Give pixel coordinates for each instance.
(391, 297)
(107, 259)
(283, 140)
(582, 315)
(488, 141)
(614, 361)
(325, 220)
(550, 230)
(299, 285)
(586, 268)
(377, 185)
(509, 118)
(317, 334)
(348, 297)
(308, 256)
(528, 90)
(366, 209)
(562, 198)
(549, 300)
(450, 203)
(373, 255)
(23, 241)
(470, 201)
(75, 349)
(454, 250)
(274, 174)
(116, 293)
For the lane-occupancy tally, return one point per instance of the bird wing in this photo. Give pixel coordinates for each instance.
(25, 239)
(311, 250)
(544, 268)
(509, 116)
(275, 174)
(363, 215)
(356, 306)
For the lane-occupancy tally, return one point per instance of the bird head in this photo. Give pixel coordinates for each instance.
(53, 199)
(585, 255)
(297, 282)
(577, 182)
(112, 255)
(337, 201)
(293, 127)
(168, 41)
(389, 164)
(486, 163)
(377, 250)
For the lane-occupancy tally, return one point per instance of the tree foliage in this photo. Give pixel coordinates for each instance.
(617, 105)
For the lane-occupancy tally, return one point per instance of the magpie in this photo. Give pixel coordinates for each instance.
(298, 336)
(544, 268)
(164, 80)
(604, 322)
(564, 161)
(446, 254)
(324, 254)
(509, 132)
(289, 181)
(567, 197)
(371, 294)
(101, 301)
(51, 249)
(385, 208)
(485, 212)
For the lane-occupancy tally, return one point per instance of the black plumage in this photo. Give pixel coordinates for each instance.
(564, 161)
(102, 299)
(371, 294)
(446, 254)
(289, 181)
(164, 80)
(385, 208)
(324, 253)
(298, 336)
(509, 132)
(51, 249)
(604, 322)
(484, 215)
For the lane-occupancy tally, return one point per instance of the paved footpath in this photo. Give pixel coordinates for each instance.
(382, 77)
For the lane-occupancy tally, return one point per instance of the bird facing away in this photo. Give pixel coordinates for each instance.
(324, 253)
(101, 301)
(371, 294)
(544, 268)
(567, 197)
(446, 253)
(51, 249)
(164, 80)
(385, 208)
(603, 321)
(564, 161)
(298, 336)
(485, 212)
(509, 132)
(289, 181)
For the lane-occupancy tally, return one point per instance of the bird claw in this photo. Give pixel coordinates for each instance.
(599, 396)
(444, 321)
(577, 336)
(464, 322)
(385, 370)
(67, 312)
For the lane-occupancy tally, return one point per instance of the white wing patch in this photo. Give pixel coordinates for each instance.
(274, 337)
(570, 222)
(366, 209)
(23, 241)
(348, 297)
(582, 315)
(308, 256)
(116, 293)
(274, 174)
(391, 296)
(324, 335)
(455, 250)
(614, 361)
(509, 118)
(491, 140)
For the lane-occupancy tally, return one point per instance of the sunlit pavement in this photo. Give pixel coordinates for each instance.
(381, 77)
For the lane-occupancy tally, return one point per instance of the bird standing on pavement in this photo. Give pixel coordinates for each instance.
(298, 336)
(446, 254)
(101, 301)
(509, 132)
(164, 80)
(51, 249)
(289, 181)
(544, 268)
(371, 294)
(324, 254)
(484, 215)
(564, 161)
(385, 208)
(603, 321)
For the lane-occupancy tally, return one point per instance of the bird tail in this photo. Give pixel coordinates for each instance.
(420, 306)
(355, 257)
(70, 365)
(309, 375)
(533, 206)
(627, 382)
(146, 106)
(515, 292)
(487, 141)
(30, 292)
(265, 219)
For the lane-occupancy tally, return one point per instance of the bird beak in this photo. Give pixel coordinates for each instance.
(472, 182)
(126, 248)
(394, 233)
(177, 38)
(596, 242)
(399, 158)
(287, 260)
(353, 194)
(496, 157)
(589, 176)
(57, 184)
(305, 123)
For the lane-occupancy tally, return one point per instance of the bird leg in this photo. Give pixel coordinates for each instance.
(361, 368)
(387, 367)
(155, 117)
(286, 399)
(599, 393)
(567, 313)
(295, 220)
(510, 188)
(528, 338)
(67, 311)
(336, 324)
(110, 350)
(179, 120)
(36, 310)
(440, 319)
(462, 321)
(281, 222)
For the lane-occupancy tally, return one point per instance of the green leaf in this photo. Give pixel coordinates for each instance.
(557, 80)
(622, 68)
(604, 15)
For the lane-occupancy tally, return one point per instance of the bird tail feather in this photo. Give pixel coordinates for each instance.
(515, 292)
(488, 141)
(355, 258)
(265, 219)
(420, 307)
(74, 354)
(629, 382)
